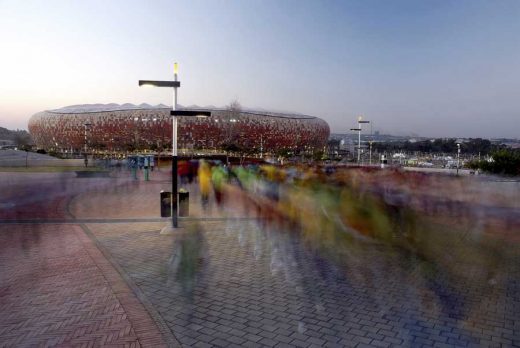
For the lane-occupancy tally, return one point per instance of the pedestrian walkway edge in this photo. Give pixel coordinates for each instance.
(168, 336)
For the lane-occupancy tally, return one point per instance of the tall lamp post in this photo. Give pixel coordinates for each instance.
(458, 158)
(370, 153)
(358, 129)
(174, 113)
(360, 122)
(359, 141)
(370, 142)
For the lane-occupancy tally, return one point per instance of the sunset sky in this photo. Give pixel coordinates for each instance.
(431, 68)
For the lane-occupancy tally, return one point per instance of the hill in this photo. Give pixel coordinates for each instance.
(15, 137)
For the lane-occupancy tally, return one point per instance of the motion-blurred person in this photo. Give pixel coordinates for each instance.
(204, 174)
(183, 170)
(193, 168)
(218, 178)
(187, 260)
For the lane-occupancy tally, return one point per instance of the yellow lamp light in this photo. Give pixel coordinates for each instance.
(175, 68)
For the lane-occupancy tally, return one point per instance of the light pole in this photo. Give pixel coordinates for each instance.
(458, 158)
(175, 84)
(371, 141)
(360, 121)
(370, 155)
(358, 129)
(174, 113)
(359, 141)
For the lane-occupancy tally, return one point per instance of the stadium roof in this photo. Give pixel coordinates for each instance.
(96, 108)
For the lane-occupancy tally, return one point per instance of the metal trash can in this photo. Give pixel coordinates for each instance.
(184, 203)
(166, 204)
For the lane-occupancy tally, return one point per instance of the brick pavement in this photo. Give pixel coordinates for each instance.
(57, 289)
(243, 284)
(254, 285)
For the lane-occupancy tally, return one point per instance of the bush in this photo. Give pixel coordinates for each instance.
(505, 162)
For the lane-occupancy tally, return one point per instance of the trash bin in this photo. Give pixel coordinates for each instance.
(166, 204)
(184, 203)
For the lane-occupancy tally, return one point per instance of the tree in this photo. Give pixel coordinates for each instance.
(230, 120)
(22, 140)
(318, 155)
(283, 153)
(504, 161)
(472, 146)
(478, 146)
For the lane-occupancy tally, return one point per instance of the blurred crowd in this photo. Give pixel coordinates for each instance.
(429, 217)
(368, 202)
(452, 234)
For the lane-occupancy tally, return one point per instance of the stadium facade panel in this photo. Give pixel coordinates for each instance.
(126, 128)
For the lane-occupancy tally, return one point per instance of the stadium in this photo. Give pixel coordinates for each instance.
(113, 128)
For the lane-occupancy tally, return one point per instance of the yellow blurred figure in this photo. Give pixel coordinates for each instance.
(204, 173)
(269, 170)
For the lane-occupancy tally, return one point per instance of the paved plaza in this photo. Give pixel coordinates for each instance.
(82, 263)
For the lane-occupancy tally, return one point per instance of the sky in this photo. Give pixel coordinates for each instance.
(440, 68)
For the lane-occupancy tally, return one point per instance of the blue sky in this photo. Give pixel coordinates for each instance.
(432, 68)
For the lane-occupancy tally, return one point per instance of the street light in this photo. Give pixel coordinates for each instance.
(358, 129)
(371, 141)
(370, 154)
(360, 121)
(359, 140)
(458, 157)
(174, 113)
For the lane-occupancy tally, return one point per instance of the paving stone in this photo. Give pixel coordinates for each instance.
(365, 340)
(268, 342)
(235, 339)
(283, 345)
(205, 338)
(375, 336)
(251, 344)
(298, 343)
(269, 328)
(252, 330)
(220, 343)
(202, 345)
(252, 337)
(283, 338)
(314, 340)
(333, 345)
(348, 343)
(267, 334)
